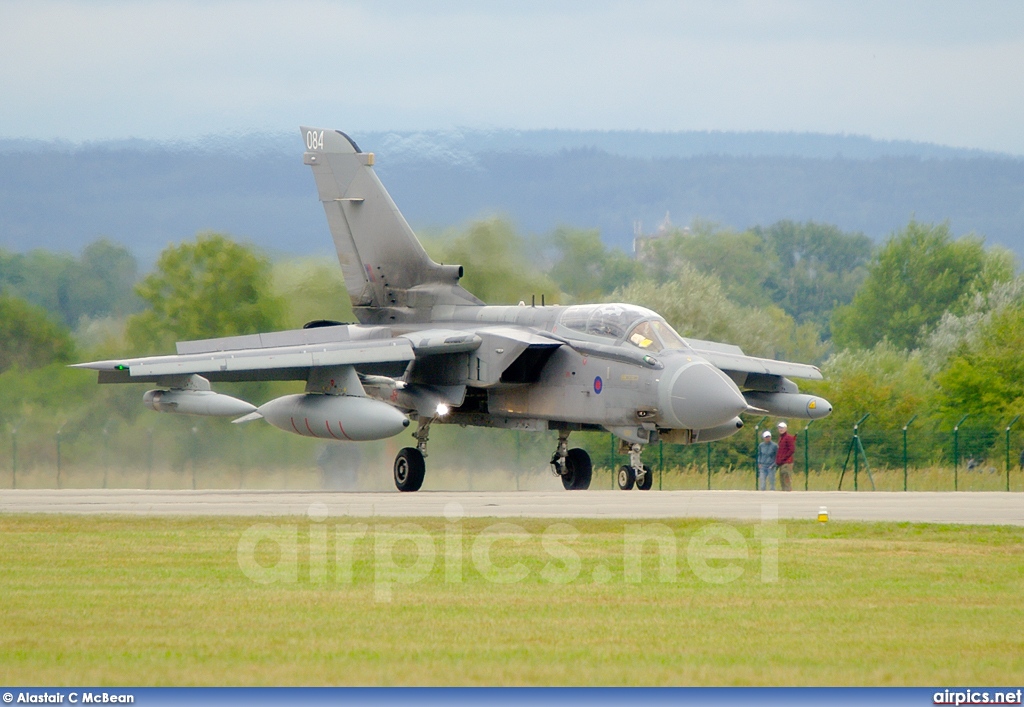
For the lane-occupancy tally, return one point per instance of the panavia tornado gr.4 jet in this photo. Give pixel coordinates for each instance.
(427, 351)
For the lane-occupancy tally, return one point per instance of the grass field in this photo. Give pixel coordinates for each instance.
(154, 601)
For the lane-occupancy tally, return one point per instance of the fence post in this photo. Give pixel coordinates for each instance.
(661, 461)
(195, 455)
(856, 449)
(58, 454)
(519, 466)
(956, 453)
(856, 452)
(709, 466)
(14, 457)
(149, 456)
(807, 455)
(1012, 423)
(106, 453)
(856, 456)
(611, 457)
(757, 442)
(905, 450)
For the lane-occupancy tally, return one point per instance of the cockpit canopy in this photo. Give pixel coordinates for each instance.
(637, 325)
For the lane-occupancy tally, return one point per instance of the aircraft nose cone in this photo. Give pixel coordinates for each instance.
(701, 396)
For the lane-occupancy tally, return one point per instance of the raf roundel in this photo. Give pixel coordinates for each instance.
(598, 385)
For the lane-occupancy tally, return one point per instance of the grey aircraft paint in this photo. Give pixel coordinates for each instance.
(428, 351)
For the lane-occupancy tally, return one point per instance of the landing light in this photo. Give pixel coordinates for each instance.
(442, 410)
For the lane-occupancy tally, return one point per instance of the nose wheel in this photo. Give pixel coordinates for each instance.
(629, 478)
(635, 473)
(626, 477)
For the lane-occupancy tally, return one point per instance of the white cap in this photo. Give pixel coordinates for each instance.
(783, 425)
(766, 433)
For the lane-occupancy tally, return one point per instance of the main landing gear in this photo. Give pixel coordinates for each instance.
(635, 473)
(410, 466)
(572, 465)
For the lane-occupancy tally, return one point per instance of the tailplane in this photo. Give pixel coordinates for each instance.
(388, 274)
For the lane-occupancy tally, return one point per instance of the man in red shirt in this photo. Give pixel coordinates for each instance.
(784, 459)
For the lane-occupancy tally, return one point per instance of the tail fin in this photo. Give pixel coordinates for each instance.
(388, 274)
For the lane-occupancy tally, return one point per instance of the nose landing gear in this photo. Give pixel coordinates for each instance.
(635, 473)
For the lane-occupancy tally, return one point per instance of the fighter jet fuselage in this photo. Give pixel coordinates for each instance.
(427, 351)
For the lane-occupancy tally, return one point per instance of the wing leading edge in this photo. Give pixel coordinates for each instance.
(280, 363)
(731, 359)
(287, 355)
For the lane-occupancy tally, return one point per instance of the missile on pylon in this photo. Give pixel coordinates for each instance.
(196, 402)
(799, 405)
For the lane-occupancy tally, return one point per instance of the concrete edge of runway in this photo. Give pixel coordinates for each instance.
(975, 508)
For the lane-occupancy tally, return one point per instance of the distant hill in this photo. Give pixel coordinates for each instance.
(61, 196)
(461, 145)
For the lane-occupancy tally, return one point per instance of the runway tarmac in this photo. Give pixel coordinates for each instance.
(998, 508)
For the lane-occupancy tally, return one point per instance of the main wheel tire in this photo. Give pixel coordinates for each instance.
(578, 470)
(648, 481)
(626, 477)
(409, 469)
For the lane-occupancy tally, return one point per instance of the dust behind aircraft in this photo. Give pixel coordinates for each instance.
(426, 351)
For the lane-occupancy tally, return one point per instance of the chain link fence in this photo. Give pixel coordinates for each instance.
(958, 453)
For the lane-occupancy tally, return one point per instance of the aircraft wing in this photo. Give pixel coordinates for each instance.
(289, 355)
(732, 358)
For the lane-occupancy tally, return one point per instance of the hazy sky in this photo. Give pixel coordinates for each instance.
(945, 72)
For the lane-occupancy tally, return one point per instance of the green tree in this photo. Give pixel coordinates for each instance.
(585, 269)
(102, 283)
(695, 305)
(917, 276)
(29, 338)
(889, 383)
(312, 288)
(819, 267)
(97, 284)
(497, 269)
(987, 376)
(39, 277)
(957, 333)
(739, 259)
(807, 269)
(206, 288)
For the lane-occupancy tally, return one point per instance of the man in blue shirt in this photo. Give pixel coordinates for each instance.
(766, 452)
